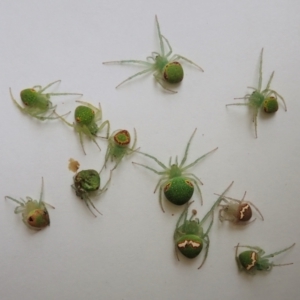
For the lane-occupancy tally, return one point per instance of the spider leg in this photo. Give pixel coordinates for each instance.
(157, 172)
(47, 86)
(278, 252)
(170, 48)
(187, 148)
(177, 56)
(255, 120)
(135, 75)
(157, 77)
(206, 251)
(198, 159)
(107, 124)
(154, 158)
(162, 49)
(260, 69)
(196, 178)
(281, 98)
(270, 80)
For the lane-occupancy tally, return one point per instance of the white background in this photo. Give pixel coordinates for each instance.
(128, 252)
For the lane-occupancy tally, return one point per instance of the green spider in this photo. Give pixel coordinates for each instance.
(237, 211)
(86, 183)
(254, 259)
(189, 236)
(165, 68)
(176, 183)
(266, 98)
(34, 213)
(38, 104)
(118, 146)
(86, 118)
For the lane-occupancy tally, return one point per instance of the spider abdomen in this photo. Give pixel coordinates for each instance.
(179, 190)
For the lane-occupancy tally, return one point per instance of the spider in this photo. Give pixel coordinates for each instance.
(38, 104)
(237, 211)
(189, 235)
(34, 213)
(254, 259)
(177, 185)
(86, 118)
(118, 146)
(87, 183)
(266, 98)
(165, 68)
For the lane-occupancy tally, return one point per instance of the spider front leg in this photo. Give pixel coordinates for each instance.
(141, 62)
(177, 57)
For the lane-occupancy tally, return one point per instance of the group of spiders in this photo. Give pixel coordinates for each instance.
(176, 183)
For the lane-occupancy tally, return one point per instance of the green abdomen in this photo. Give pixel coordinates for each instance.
(189, 245)
(179, 190)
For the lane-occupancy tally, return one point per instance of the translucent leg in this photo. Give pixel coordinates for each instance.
(81, 141)
(135, 75)
(107, 124)
(281, 98)
(47, 86)
(88, 202)
(194, 176)
(198, 159)
(198, 188)
(162, 49)
(135, 140)
(270, 80)
(183, 215)
(87, 132)
(237, 103)
(278, 252)
(157, 77)
(206, 252)
(129, 61)
(65, 121)
(42, 190)
(164, 178)
(187, 149)
(170, 48)
(177, 56)
(255, 121)
(15, 200)
(157, 172)
(260, 69)
(154, 158)
(216, 203)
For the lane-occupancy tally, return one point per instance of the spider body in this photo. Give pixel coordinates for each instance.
(165, 67)
(37, 103)
(177, 184)
(119, 146)
(86, 122)
(86, 183)
(34, 213)
(237, 211)
(189, 236)
(262, 98)
(255, 259)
